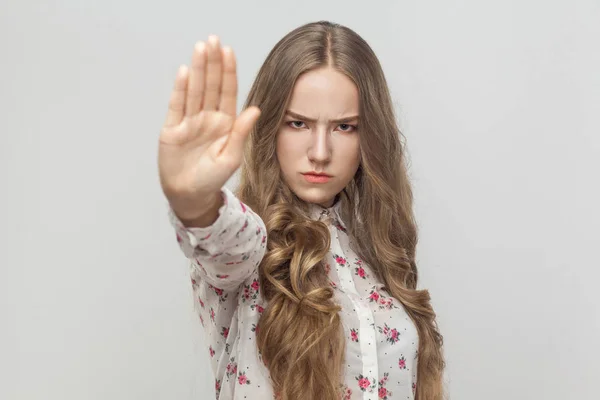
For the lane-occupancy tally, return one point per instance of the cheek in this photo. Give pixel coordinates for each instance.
(353, 160)
(352, 150)
(284, 149)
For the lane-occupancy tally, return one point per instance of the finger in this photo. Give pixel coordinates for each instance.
(234, 148)
(196, 84)
(177, 100)
(229, 88)
(214, 74)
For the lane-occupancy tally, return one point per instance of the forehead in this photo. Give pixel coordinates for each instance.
(324, 93)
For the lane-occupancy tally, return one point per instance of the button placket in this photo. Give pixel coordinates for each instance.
(368, 342)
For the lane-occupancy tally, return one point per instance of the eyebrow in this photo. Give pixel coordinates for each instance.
(337, 121)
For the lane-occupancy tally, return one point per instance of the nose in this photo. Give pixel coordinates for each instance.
(319, 151)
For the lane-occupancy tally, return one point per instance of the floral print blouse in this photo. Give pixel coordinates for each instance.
(381, 339)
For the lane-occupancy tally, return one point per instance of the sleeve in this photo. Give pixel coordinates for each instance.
(230, 250)
(222, 256)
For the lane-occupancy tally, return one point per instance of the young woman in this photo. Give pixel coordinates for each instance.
(305, 279)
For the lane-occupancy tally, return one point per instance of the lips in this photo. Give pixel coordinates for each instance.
(316, 177)
(316, 174)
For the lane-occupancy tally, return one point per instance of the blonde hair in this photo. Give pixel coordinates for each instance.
(299, 335)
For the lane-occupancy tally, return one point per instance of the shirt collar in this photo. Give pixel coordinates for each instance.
(333, 213)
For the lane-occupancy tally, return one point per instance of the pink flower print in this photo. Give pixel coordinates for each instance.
(392, 334)
(365, 384)
(242, 229)
(201, 320)
(380, 299)
(386, 303)
(200, 265)
(201, 302)
(206, 237)
(211, 351)
(258, 308)
(374, 296)
(383, 380)
(383, 392)
(354, 335)
(402, 363)
(250, 291)
(179, 240)
(194, 283)
(217, 386)
(224, 331)
(219, 292)
(333, 285)
(360, 271)
(264, 239)
(340, 260)
(243, 207)
(243, 379)
(212, 314)
(347, 393)
(231, 368)
(339, 227)
(414, 387)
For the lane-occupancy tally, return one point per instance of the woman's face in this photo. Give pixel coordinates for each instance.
(319, 136)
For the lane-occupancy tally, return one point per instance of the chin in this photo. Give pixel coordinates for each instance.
(317, 196)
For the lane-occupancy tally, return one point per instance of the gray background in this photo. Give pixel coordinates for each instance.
(499, 101)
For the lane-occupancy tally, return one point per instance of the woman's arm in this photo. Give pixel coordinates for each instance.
(228, 251)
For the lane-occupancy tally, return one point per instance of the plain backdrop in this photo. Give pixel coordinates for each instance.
(500, 104)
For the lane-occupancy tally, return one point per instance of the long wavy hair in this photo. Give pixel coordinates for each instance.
(299, 335)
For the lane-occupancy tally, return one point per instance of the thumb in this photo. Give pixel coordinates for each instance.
(241, 128)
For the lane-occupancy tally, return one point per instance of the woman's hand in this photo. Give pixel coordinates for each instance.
(202, 140)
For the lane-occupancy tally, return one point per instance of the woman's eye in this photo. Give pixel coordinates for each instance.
(342, 127)
(295, 124)
(347, 127)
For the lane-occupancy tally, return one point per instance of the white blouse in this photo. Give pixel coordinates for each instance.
(381, 339)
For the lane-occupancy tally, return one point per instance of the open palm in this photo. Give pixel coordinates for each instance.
(201, 143)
